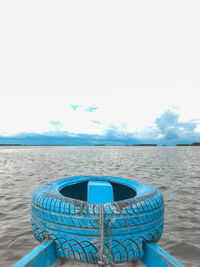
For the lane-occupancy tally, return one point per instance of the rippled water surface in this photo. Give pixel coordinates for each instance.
(175, 171)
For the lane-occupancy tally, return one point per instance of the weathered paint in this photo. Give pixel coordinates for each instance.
(44, 255)
(155, 256)
(100, 192)
(75, 224)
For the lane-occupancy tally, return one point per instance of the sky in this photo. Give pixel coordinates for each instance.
(90, 72)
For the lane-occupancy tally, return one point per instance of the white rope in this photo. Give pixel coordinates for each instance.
(103, 257)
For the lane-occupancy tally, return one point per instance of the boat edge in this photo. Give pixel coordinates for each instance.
(155, 256)
(43, 255)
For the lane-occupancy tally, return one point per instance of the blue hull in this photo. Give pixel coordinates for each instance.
(45, 255)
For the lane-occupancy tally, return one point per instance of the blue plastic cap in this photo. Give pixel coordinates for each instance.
(100, 192)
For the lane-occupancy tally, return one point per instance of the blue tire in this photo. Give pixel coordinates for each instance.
(75, 227)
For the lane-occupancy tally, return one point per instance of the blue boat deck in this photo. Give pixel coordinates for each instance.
(45, 255)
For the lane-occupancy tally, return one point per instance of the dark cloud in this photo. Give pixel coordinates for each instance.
(167, 130)
(111, 137)
(171, 129)
(116, 133)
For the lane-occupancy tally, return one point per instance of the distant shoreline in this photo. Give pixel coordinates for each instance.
(100, 145)
(11, 145)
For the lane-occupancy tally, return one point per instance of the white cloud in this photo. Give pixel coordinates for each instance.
(133, 60)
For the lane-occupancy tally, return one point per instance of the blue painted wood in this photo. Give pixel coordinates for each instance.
(100, 192)
(155, 256)
(44, 255)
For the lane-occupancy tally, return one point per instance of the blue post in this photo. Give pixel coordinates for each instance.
(100, 192)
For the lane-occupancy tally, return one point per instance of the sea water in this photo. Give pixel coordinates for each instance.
(175, 171)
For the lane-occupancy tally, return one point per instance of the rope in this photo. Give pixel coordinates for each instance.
(101, 228)
(103, 257)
